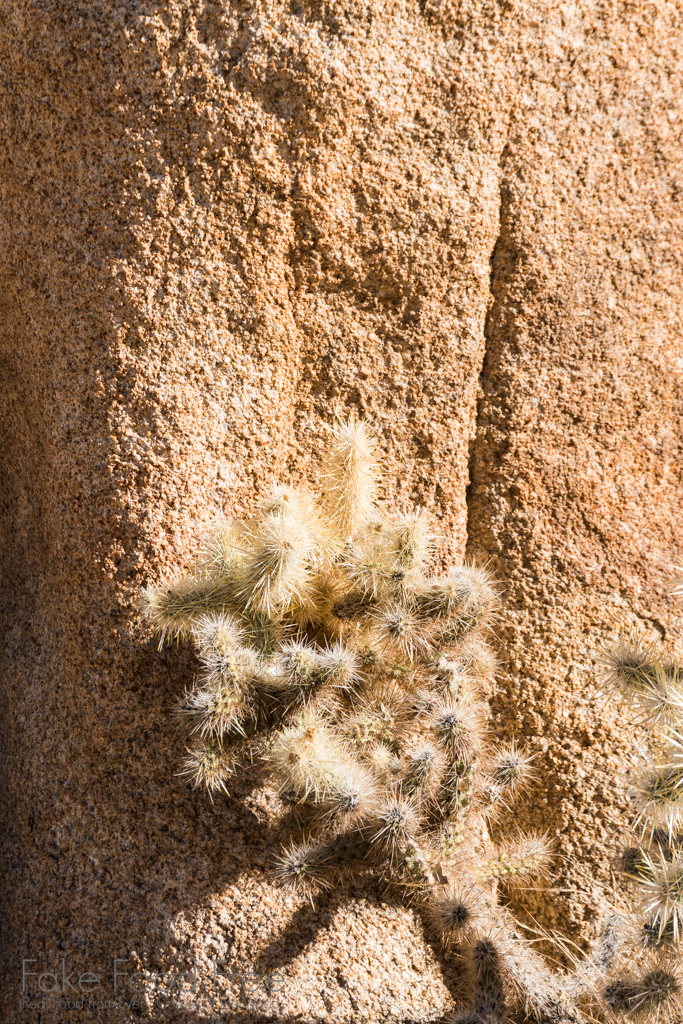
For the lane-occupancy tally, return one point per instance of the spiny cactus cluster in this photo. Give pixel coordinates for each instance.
(337, 657)
(646, 979)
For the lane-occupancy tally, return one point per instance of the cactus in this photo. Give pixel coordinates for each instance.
(644, 979)
(334, 654)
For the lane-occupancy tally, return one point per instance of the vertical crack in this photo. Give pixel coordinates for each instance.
(484, 379)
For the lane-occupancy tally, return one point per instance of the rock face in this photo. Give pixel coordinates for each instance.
(220, 225)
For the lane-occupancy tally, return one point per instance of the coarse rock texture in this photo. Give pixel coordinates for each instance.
(220, 225)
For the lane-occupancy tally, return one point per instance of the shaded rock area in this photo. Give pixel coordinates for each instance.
(221, 225)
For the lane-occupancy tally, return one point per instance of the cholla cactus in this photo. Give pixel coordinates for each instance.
(644, 980)
(332, 649)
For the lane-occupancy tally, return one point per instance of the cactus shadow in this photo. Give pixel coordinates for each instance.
(180, 852)
(310, 920)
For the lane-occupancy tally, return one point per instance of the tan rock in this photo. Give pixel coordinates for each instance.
(221, 225)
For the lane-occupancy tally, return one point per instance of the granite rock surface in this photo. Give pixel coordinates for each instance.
(221, 225)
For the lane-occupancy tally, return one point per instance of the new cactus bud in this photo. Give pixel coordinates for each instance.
(277, 570)
(413, 542)
(402, 629)
(339, 665)
(306, 759)
(223, 549)
(350, 797)
(209, 765)
(458, 727)
(456, 910)
(302, 867)
(394, 824)
(214, 711)
(466, 591)
(172, 608)
(350, 478)
(519, 858)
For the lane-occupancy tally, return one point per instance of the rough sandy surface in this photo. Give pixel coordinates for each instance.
(220, 225)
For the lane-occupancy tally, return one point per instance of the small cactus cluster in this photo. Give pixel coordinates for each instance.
(337, 658)
(646, 979)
